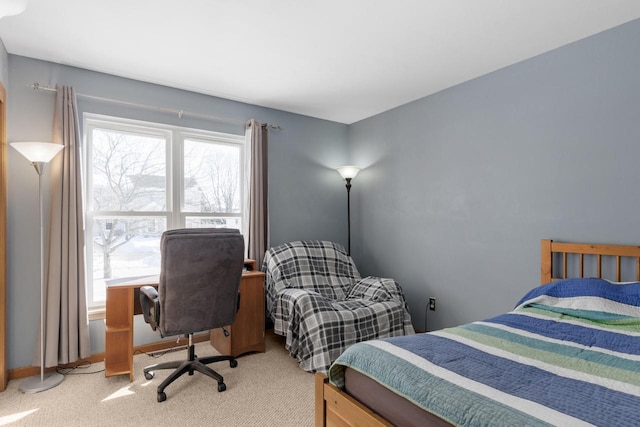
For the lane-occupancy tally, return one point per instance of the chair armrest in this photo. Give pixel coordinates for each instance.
(150, 305)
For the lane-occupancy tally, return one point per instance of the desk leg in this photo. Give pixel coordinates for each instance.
(118, 356)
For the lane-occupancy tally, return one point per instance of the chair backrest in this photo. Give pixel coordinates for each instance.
(199, 279)
(315, 265)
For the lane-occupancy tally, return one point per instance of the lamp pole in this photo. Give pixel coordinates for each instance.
(348, 173)
(39, 166)
(348, 215)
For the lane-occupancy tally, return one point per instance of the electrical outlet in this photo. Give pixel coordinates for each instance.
(432, 304)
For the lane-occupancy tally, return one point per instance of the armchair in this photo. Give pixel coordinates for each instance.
(198, 290)
(317, 299)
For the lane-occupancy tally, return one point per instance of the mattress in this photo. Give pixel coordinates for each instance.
(392, 407)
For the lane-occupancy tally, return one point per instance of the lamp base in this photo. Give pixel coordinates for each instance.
(34, 385)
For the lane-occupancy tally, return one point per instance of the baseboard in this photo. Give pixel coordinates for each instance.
(29, 371)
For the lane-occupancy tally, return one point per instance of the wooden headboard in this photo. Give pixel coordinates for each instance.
(558, 250)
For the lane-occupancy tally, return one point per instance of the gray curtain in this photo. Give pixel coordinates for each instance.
(67, 322)
(258, 186)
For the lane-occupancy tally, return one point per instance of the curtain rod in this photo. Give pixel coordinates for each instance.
(180, 113)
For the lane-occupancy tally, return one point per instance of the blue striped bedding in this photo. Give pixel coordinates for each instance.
(568, 354)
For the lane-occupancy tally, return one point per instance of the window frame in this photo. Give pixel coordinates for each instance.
(175, 214)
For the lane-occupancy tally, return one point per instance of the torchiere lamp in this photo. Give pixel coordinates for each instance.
(348, 173)
(39, 154)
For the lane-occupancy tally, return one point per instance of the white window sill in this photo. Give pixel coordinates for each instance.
(97, 313)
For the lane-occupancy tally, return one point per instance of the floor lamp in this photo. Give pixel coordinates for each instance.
(39, 154)
(348, 173)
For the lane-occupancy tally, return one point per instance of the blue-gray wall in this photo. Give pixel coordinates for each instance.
(460, 186)
(307, 196)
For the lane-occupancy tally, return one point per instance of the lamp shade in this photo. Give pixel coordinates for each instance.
(348, 172)
(36, 152)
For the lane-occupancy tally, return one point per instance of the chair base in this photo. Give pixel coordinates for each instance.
(191, 365)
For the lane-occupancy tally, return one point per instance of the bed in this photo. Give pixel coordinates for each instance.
(568, 354)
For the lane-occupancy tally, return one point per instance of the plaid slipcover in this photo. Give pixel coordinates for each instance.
(318, 301)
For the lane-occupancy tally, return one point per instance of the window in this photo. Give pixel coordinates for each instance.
(145, 178)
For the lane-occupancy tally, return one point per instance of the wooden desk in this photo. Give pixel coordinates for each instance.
(123, 302)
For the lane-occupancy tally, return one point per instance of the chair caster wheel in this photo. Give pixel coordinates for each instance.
(222, 387)
(233, 363)
(162, 396)
(149, 375)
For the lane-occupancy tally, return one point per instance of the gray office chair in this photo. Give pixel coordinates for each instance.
(198, 290)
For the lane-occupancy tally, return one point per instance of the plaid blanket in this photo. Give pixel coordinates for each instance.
(320, 303)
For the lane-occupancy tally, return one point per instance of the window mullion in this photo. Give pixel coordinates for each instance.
(177, 219)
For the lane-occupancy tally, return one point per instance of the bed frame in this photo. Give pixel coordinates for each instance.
(334, 407)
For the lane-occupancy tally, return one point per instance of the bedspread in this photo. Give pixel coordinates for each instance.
(568, 354)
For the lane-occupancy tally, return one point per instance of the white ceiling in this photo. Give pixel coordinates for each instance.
(340, 60)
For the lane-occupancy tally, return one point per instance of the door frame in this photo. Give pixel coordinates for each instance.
(4, 376)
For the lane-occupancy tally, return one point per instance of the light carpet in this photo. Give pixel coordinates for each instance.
(266, 389)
